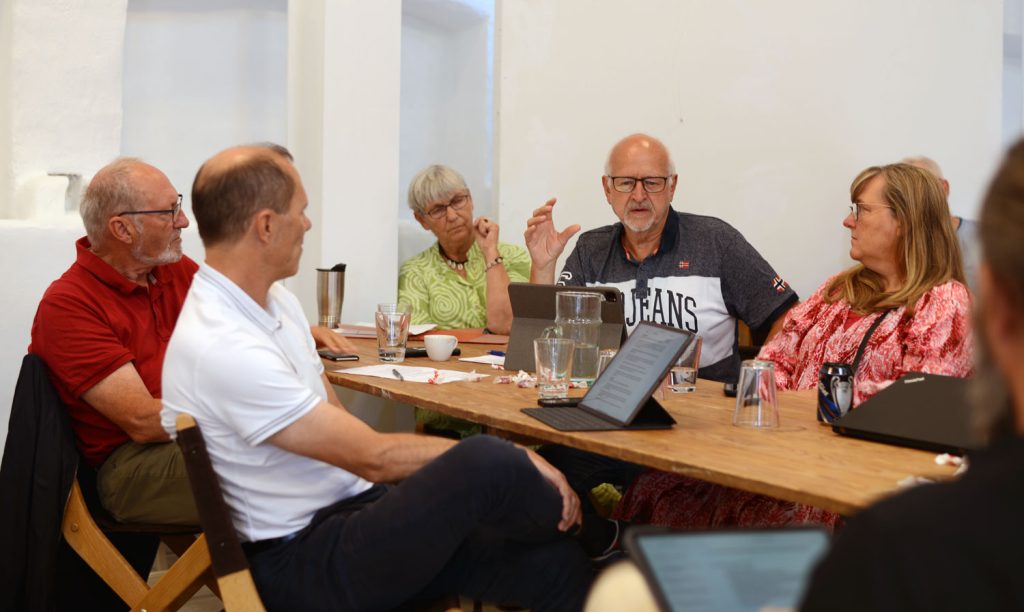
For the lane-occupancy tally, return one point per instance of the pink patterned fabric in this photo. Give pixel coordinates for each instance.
(937, 339)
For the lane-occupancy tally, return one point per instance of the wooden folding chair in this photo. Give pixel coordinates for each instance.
(230, 566)
(177, 585)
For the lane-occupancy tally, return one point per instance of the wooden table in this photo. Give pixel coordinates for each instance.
(801, 461)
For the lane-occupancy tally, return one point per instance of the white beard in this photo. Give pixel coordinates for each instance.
(639, 229)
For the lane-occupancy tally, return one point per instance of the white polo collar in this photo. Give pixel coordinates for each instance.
(267, 321)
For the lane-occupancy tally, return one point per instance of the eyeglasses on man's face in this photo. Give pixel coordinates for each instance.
(651, 184)
(163, 211)
(857, 209)
(456, 203)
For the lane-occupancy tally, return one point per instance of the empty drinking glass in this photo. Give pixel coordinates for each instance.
(756, 405)
(554, 362)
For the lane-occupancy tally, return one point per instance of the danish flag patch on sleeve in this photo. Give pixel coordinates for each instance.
(684, 265)
(779, 284)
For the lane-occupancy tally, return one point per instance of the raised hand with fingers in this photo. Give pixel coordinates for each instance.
(545, 243)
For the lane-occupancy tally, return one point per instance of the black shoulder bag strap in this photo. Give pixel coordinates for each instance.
(864, 342)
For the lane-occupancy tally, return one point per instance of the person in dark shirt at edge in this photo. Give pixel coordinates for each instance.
(958, 545)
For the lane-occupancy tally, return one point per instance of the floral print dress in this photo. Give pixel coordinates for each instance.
(935, 339)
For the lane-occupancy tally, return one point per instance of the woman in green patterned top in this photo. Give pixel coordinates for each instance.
(461, 281)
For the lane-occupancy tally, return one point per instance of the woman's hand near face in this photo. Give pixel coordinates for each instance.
(485, 232)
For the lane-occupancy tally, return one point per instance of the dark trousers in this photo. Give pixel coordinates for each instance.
(585, 470)
(478, 521)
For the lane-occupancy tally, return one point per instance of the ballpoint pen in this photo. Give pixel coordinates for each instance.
(397, 374)
(496, 353)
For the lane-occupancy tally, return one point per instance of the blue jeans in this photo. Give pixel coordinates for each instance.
(478, 521)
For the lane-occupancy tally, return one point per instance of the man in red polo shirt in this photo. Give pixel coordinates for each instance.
(102, 329)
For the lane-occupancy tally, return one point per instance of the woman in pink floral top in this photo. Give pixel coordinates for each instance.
(910, 270)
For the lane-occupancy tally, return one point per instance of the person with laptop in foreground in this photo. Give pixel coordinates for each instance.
(956, 546)
(303, 477)
(905, 301)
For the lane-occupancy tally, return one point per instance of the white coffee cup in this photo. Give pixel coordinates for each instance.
(439, 346)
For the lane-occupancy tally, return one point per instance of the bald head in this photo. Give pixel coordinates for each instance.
(236, 183)
(929, 164)
(639, 145)
(125, 184)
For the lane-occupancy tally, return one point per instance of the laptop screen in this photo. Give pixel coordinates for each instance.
(637, 369)
(728, 570)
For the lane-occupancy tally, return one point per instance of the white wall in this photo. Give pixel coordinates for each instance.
(200, 76)
(6, 52)
(61, 111)
(446, 112)
(770, 109)
(1013, 70)
(343, 113)
(64, 102)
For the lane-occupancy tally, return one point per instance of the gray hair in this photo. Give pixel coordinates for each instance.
(433, 183)
(668, 155)
(111, 191)
(926, 163)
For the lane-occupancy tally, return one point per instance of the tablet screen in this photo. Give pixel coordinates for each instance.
(730, 570)
(637, 369)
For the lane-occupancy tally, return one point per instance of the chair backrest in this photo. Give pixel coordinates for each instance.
(36, 475)
(230, 566)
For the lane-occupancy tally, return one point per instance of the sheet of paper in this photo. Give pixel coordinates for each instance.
(413, 373)
(356, 331)
(371, 330)
(498, 360)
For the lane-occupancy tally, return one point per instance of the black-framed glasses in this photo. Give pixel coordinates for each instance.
(651, 184)
(856, 209)
(172, 211)
(456, 203)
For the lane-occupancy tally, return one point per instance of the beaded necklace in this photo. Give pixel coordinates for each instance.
(454, 265)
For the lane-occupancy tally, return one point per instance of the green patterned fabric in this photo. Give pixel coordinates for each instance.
(439, 295)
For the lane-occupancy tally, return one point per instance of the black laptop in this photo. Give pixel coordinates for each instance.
(533, 310)
(738, 569)
(925, 411)
(621, 396)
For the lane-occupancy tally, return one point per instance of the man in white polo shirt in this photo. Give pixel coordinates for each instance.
(481, 518)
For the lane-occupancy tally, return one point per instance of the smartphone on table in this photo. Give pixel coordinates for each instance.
(326, 354)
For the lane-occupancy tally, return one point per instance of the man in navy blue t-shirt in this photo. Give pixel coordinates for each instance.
(678, 269)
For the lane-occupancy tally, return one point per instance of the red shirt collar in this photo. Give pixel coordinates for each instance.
(106, 273)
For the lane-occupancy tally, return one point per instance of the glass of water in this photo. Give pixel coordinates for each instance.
(683, 377)
(392, 331)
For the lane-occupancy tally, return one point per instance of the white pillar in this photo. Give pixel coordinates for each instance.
(343, 112)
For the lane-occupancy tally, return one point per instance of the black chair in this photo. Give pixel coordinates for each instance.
(40, 479)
